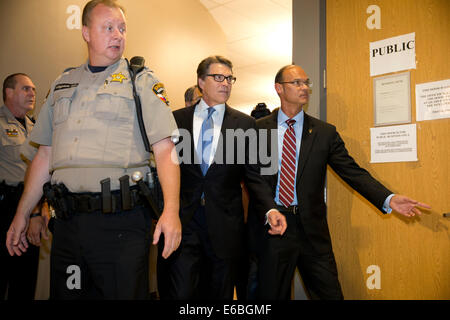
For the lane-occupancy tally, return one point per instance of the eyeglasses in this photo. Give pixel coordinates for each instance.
(221, 77)
(300, 82)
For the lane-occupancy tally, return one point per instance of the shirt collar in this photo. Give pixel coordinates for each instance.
(112, 66)
(202, 107)
(282, 117)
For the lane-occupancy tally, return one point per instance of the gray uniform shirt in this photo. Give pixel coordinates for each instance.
(90, 121)
(13, 135)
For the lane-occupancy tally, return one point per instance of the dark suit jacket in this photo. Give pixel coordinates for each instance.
(221, 184)
(321, 146)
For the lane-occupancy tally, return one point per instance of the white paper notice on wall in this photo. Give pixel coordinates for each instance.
(393, 54)
(433, 100)
(393, 144)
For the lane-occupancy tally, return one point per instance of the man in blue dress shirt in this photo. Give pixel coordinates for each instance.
(305, 147)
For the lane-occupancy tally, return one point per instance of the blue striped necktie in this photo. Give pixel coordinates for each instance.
(206, 138)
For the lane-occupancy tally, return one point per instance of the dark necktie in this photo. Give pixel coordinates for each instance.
(287, 172)
(206, 140)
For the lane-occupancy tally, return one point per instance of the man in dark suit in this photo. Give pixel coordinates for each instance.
(211, 211)
(305, 146)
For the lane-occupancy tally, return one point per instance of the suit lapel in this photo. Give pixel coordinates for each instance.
(228, 122)
(190, 122)
(189, 126)
(271, 123)
(308, 137)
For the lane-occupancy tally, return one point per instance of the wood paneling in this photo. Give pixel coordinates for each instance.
(413, 255)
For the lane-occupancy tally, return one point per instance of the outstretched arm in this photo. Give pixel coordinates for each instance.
(407, 206)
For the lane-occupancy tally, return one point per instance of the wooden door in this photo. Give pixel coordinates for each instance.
(411, 258)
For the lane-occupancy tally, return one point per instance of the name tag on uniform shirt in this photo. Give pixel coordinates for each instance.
(63, 86)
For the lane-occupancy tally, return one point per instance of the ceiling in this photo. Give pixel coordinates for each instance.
(259, 43)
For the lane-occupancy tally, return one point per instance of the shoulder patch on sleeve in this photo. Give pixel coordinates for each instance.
(160, 92)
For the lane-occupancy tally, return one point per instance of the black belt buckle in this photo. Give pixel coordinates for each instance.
(291, 210)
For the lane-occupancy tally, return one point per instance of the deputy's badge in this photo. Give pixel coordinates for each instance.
(12, 133)
(160, 92)
(118, 77)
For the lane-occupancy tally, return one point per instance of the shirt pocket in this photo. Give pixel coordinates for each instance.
(12, 141)
(115, 103)
(61, 108)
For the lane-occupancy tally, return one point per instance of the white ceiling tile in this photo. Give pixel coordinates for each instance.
(222, 2)
(263, 12)
(234, 25)
(209, 4)
(287, 4)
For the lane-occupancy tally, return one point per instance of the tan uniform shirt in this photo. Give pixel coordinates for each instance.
(28, 150)
(90, 121)
(13, 135)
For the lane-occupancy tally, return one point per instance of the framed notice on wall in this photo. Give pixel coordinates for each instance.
(433, 100)
(392, 99)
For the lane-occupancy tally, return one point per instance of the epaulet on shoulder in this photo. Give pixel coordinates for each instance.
(145, 70)
(68, 69)
(65, 72)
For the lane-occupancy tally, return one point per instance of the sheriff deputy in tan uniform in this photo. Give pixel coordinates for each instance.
(88, 135)
(17, 274)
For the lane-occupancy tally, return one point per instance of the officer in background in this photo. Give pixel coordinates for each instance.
(17, 274)
(91, 144)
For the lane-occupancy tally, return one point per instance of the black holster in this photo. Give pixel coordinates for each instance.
(57, 197)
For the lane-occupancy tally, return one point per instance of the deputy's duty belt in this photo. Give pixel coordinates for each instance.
(66, 203)
(94, 202)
